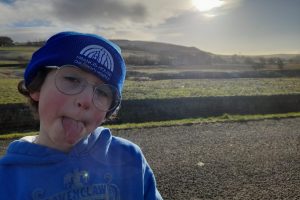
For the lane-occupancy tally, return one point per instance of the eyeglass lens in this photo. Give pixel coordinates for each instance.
(69, 80)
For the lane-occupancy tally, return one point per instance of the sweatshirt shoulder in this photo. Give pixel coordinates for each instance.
(113, 150)
(104, 138)
(118, 143)
(124, 151)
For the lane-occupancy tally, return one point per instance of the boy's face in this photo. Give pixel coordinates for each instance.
(65, 119)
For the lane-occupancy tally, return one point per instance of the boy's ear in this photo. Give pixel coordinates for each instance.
(35, 96)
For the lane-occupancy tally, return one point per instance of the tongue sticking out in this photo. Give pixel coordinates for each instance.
(72, 129)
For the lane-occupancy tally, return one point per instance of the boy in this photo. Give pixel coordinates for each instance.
(74, 82)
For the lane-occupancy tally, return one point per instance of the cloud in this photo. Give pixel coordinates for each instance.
(129, 17)
(173, 21)
(93, 11)
(233, 25)
(218, 8)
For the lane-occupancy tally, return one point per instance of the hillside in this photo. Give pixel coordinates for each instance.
(162, 53)
(155, 53)
(143, 53)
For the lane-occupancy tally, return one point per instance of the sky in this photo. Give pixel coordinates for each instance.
(243, 27)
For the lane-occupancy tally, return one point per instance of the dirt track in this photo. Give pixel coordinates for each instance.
(249, 160)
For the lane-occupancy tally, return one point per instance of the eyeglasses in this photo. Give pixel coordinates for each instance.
(69, 81)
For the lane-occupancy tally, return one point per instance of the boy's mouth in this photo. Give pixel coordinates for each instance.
(73, 129)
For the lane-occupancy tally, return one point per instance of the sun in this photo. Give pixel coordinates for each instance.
(207, 5)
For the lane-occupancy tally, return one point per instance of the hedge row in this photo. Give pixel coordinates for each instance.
(16, 117)
(216, 75)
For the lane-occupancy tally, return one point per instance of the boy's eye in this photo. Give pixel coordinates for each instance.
(101, 93)
(103, 97)
(72, 79)
(69, 83)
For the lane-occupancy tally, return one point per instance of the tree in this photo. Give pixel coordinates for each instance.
(6, 41)
(279, 63)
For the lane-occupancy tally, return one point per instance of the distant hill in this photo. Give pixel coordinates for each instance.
(155, 53)
(162, 53)
(144, 53)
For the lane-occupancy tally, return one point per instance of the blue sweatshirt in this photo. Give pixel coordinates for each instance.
(100, 166)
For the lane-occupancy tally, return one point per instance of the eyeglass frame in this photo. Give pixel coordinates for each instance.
(117, 101)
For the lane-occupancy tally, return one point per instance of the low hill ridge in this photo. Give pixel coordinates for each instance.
(163, 53)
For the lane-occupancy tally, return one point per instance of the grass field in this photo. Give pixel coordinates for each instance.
(15, 55)
(11, 72)
(19, 49)
(9, 92)
(210, 87)
(182, 88)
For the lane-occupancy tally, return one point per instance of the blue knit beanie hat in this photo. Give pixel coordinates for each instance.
(87, 51)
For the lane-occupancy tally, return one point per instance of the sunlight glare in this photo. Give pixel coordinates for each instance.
(207, 5)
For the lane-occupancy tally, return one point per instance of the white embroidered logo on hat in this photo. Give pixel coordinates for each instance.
(99, 54)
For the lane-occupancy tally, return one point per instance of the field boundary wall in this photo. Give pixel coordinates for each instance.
(16, 117)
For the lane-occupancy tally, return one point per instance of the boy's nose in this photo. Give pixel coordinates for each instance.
(85, 98)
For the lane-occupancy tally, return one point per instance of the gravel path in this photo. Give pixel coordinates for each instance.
(249, 160)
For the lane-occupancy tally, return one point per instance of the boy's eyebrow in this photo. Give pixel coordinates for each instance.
(94, 83)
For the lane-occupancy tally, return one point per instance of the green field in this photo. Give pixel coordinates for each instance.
(205, 68)
(182, 88)
(16, 55)
(19, 49)
(210, 87)
(9, 92)
(11, 72)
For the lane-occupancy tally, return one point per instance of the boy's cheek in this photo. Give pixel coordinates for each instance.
(99, 118)
(51, 103)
